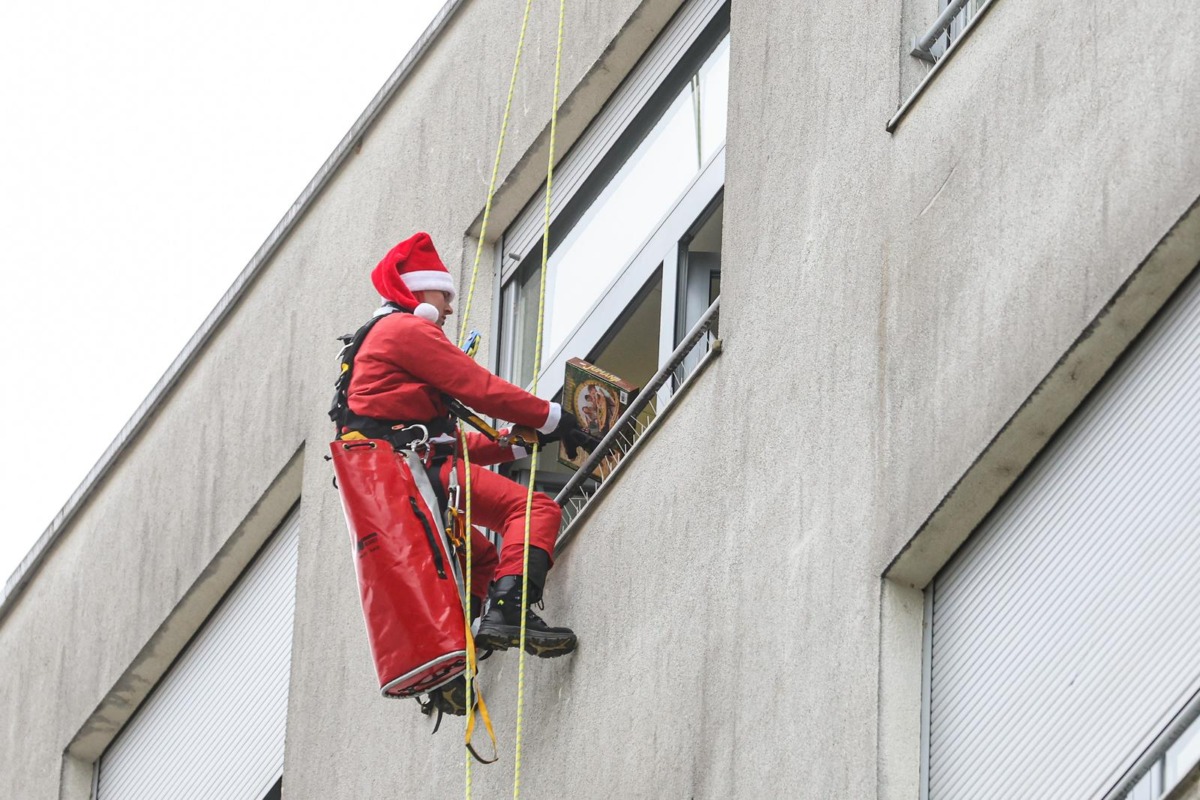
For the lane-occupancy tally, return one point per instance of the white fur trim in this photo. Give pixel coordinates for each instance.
(426, 311)
(384, 310)
(423, 280)
(552, 419)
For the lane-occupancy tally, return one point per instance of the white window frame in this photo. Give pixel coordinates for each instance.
(661, 248)
(588, 153)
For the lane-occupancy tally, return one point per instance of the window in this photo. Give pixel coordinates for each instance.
(1064, 649)
(939, 41)
(214, 726)
(636, 241)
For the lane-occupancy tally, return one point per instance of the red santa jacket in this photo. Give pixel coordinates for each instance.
(406, 364)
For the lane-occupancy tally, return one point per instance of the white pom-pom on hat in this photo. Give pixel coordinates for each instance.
(427, 311)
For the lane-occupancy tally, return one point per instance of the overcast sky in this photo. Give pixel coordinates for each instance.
(146, 151)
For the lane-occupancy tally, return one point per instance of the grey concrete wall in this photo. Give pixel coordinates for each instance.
(921, 285)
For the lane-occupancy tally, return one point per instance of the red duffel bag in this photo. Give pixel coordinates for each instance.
(407, 576)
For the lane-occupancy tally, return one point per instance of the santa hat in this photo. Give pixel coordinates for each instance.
(409, 267)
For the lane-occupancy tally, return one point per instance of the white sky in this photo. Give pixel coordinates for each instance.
(146, 151)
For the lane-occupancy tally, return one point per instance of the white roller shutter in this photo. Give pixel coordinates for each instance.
(214, 726)
(1066, 633)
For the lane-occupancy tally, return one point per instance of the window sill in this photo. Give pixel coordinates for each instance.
(937, 67)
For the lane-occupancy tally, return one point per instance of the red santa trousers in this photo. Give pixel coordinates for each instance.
(484, 560)
(499, 503)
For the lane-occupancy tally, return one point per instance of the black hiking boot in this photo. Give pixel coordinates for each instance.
(500, 627)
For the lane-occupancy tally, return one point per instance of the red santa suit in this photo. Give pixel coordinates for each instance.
(402, 372)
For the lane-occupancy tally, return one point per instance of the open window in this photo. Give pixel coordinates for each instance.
(635, 233)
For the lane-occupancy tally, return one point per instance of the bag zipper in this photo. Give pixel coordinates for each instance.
(437, 554)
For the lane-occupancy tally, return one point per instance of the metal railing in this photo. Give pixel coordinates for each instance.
(960, 11)
(928, 48)
(693, 353)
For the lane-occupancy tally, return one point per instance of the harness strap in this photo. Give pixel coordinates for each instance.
(339, 409)
(478, 705)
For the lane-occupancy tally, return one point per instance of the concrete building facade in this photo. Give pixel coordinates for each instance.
(923, 270)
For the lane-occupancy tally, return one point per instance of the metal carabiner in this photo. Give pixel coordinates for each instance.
(453, 492)
(418, 446)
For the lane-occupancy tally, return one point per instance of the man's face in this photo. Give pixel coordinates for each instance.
(440, 301)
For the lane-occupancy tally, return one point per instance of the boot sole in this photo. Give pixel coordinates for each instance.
(452, 700)
(539, 646)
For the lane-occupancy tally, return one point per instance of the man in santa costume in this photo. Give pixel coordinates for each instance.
(405, 369)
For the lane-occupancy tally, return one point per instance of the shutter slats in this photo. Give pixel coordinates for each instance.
(214, 727)
(1064, 631)
(1106, 554)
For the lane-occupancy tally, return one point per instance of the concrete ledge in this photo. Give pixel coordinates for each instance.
(1051, 404)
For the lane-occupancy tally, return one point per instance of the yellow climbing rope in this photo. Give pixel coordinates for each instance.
(537, 366)
(487, 206)
(462, 334)
(471, 666)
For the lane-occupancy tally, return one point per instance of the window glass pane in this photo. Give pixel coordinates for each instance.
(714, 101)
(519, 304)
(628, 211)
(700, 269)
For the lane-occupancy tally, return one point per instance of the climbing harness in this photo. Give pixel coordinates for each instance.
(347, 422)
(339, 410)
